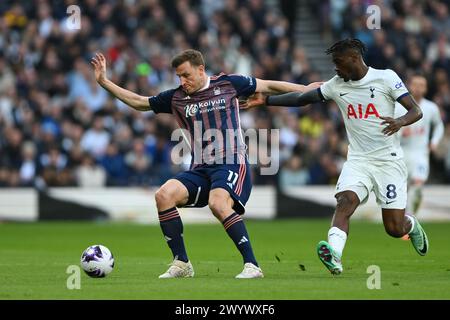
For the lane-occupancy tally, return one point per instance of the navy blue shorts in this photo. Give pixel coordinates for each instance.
(235, 178)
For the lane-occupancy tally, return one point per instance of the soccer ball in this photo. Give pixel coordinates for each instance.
(97, 261)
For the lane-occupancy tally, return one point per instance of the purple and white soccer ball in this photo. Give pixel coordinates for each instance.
(97, 261)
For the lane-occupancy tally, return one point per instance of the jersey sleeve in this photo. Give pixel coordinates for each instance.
(395, 85)
(162, 103)
(327, 89)
(245, 86)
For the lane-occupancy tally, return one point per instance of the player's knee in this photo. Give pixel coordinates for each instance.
(164, 197)
(218, 205)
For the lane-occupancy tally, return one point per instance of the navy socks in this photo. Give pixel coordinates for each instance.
(235, 227)
(172, 228)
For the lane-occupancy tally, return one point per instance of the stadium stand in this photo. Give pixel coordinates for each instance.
(59, 128)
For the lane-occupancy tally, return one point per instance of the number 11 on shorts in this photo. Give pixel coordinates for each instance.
(230, 178)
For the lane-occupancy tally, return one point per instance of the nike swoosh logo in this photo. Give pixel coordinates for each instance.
(389, 202)
(343, 94)
(424, 249)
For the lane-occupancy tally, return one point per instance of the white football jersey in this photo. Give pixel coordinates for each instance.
(362, 103)
(415, 138)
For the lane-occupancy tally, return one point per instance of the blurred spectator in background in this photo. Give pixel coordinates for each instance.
(114, 163)
(89, 174)
(96, 139)
(29, 166)
(293, 174)
(139, 163)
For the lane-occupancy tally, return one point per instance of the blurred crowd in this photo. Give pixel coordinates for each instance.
(59, 128)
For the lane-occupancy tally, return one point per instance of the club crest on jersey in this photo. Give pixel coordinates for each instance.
(372, 89)
(360, 112)
(216, 91)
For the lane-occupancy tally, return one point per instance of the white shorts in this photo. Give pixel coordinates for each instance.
(418, 167)
(387, 179)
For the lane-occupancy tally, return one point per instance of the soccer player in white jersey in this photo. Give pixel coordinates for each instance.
(418, 139)
(366, 98)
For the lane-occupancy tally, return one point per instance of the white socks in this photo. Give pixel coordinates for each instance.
(336, 239)
(412, 222)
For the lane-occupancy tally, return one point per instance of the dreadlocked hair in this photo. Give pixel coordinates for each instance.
(346, 44)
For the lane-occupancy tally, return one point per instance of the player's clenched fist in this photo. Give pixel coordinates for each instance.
(99, 63)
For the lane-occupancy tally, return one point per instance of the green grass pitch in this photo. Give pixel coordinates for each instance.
(34, 258)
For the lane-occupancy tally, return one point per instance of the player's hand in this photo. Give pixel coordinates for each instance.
(313, 85)
(256, 100)
(393, 125)
(99, 63)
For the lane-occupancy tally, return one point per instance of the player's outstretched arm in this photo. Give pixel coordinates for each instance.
(132, 99)
(414, 114)
(292, 99)
(277, 87)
